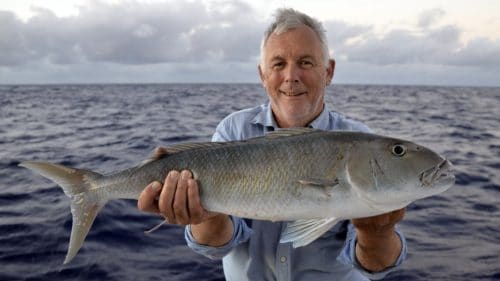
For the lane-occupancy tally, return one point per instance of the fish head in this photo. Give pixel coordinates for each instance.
(393, 172)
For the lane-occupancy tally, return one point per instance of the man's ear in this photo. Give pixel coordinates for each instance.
(330, 71)
(261, 75)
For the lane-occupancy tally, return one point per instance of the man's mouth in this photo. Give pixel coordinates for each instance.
(292, 94)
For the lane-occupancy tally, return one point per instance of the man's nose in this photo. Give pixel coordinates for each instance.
(292, 74)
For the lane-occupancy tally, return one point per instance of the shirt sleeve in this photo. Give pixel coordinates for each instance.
(241, 234)
(220, 134)
(348, 255)
(224, 131)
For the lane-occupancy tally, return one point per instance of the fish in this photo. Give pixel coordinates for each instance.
(309, 178)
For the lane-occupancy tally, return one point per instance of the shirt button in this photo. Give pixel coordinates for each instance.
(283, 259)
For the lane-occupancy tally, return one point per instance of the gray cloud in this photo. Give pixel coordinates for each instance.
(133, 33)
(12, 44)
(479, 52)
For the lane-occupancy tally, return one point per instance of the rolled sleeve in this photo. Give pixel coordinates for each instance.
(241, 234)
(348, 255)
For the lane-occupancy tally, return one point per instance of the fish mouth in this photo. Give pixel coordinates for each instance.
(439, 175)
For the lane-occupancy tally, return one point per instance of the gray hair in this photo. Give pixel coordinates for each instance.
(287, 19)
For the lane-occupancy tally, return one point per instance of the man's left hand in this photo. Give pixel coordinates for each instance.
(378, 246)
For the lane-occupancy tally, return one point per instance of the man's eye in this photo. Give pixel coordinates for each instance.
(278, 65)
(306, 64)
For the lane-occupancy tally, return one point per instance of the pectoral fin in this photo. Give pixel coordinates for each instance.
(303, 232)
(317, 182)
(325, 185)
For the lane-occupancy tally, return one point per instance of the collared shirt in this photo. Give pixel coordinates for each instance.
(254, 252)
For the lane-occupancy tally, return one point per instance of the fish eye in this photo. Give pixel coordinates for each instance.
(398, 150)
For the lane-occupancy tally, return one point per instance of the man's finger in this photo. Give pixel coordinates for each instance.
(148, 199)
(196, 211)
(398, 215)
(159, 152)
(167, 196)
(383, 220)
(180, 204)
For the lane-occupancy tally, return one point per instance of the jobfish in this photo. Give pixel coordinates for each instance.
(311, 178)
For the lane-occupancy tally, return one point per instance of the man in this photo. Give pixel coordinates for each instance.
(295, 69)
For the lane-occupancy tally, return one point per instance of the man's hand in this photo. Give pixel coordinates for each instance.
(178, 200)
(378, 246)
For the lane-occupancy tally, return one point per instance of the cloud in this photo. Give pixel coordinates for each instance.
(205, 41)
(429, 44)
(133, 33)
(403, 47)
(429, 17)
(12, 45)
(479, 52)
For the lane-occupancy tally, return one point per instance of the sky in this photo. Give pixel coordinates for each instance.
(425, 42)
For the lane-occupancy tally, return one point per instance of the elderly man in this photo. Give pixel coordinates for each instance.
(295, 69)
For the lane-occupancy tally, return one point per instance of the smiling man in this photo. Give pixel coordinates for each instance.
(295, 69)
(295, 75)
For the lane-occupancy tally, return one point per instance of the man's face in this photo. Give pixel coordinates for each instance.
(295, 76)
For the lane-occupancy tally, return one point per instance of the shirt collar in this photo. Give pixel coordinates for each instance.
(266, 118)
(321, 122)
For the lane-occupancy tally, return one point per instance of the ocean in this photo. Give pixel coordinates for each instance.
(451, 236)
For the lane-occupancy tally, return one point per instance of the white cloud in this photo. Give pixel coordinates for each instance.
(429, 45)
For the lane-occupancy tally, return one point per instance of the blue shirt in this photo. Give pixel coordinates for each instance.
(254, 252)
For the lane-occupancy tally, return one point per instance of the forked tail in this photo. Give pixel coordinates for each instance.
(80, 186)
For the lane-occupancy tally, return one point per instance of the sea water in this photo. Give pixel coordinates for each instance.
(451, 236)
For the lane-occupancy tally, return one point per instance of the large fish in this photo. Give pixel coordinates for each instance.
(309, 177)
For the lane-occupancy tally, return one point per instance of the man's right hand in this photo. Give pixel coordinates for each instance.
(178, 200)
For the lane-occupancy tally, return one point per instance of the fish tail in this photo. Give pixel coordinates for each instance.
(80, 186)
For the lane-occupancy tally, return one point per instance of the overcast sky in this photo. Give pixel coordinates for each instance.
(437, 42)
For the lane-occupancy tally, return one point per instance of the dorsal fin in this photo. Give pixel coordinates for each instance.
(290, 132)
(275, 134)
(176, 148)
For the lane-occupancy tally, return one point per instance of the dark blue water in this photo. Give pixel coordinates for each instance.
(452, 236)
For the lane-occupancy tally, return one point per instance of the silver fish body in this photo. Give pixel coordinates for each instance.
(313, 178)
